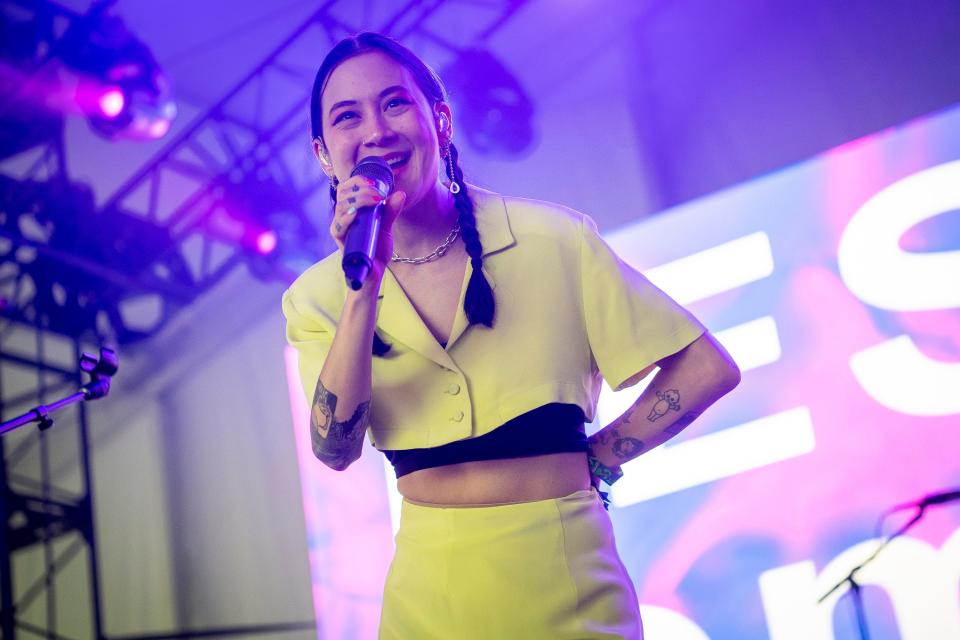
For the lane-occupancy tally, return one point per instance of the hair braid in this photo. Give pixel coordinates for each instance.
(478, 304)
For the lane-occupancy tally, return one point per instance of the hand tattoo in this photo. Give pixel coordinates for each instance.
(336, 444)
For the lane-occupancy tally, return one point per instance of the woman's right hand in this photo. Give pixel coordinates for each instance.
(359, 191)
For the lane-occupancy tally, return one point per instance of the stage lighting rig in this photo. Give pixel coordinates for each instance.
(266, 218)
(25, 122)
(133, 97)
(76, 271)
(495, 111)
(95, 67)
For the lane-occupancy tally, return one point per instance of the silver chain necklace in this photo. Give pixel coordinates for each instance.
(435, 254)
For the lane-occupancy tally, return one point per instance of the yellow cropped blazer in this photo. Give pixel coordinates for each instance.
(568, 312)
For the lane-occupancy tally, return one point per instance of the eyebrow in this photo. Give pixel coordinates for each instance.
(349, 103)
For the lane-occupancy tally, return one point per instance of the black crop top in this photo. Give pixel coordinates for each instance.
(552, 428)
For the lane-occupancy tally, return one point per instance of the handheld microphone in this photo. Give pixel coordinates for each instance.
(360, 244)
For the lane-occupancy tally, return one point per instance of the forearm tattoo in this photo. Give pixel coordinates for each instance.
(668, 401)
(624, 447)
(336, 444)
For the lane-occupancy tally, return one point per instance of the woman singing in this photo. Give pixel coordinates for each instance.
(473, 355)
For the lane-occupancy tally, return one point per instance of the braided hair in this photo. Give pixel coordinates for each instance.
(478, 305)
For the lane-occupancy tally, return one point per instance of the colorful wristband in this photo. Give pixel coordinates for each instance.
(603, 472)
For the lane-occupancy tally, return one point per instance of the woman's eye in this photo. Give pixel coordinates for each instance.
(396, 102)
(345, 115)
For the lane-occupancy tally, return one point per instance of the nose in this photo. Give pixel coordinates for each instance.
(379, 132)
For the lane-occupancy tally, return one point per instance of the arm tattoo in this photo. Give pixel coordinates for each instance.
(668, 400)
(601, 437)
(625, 447)
(336, 444)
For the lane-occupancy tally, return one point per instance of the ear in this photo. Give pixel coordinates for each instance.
(323, 156)
(443, 119)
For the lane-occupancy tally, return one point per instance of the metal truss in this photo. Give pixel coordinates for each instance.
(246, 165)
(43, 526)
(192, 214)
(65, 266)
(47, 526)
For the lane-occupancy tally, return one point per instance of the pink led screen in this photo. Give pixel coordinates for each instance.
(835, 284)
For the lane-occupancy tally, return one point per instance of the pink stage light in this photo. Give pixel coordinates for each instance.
(158, 128)
(111, 102)
(266, 242)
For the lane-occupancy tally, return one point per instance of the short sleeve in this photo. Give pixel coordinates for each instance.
(631, 324)
(311, 335)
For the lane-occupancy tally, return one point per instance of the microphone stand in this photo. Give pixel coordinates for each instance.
(100, 369)
(851, 578)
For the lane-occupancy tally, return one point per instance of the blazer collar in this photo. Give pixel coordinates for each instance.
(397, 316)
(492, 221)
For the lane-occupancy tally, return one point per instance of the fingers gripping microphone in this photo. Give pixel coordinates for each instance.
(360, 244)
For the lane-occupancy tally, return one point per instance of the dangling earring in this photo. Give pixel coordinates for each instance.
(442, 124)
(454, 187)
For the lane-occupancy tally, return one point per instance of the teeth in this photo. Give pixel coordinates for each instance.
(394, 161)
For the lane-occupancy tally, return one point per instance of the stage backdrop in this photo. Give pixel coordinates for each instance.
(835, 284)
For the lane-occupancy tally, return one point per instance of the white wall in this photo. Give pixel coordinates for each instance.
(198, 495)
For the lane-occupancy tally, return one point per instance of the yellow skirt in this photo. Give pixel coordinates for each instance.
(545, 569)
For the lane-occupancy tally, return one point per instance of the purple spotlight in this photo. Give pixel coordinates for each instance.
(111, 102)
(266, 242)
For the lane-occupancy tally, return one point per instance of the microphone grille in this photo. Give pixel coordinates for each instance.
(376, 169)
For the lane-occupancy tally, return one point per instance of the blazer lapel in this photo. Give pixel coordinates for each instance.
(460, 318)
(397, 317)
(400, 319)
(493, 224)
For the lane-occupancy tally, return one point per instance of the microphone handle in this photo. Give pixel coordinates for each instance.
(360, 245)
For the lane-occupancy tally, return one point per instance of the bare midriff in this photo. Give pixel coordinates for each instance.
(489, 482)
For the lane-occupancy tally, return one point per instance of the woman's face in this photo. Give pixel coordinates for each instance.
(372, 106)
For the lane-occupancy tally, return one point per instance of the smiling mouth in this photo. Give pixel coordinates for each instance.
(397, 160)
